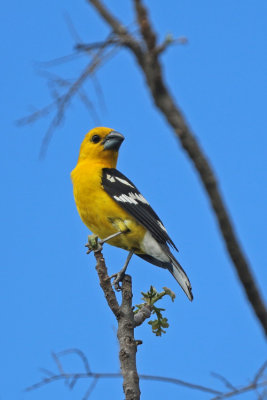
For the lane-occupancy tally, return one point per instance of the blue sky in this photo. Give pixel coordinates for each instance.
(50, 298)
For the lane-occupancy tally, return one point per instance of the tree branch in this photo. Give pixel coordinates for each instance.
(128, 346)
(118, 28)
(142, 314)
(242, 390)
(125, 317)
(148, 59)
(93, 377)
(106, 285)
(113, 375)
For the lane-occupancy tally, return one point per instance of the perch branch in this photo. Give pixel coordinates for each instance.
(128, 345)
(125, 317)
(106, 284)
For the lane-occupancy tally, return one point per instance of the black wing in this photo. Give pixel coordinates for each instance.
(125, 193)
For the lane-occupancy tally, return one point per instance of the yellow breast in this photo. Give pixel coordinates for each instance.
(100, 213)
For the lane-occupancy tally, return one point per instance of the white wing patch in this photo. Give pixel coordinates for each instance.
(141, 198)
(111, 178)
(162, 226)
(123, 181)
(132, 198)
(124, 198)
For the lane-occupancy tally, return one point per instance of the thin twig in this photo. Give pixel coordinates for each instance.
(241, 390)
(90, 389)
(79, 353)
(74, 377)
(260, 372)
(59, 60)
(73, 31)
(58, 363)
(46, 371)
(107, 375)
(223, 380)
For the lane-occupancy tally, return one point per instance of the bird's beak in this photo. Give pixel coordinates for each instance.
(113, 141)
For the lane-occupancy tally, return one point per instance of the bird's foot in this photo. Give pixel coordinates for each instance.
(96, 245)
(117, 278)
(93, 244)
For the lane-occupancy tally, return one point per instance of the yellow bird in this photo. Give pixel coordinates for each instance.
(112, 207)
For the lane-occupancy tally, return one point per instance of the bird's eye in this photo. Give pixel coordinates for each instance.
(95, 139)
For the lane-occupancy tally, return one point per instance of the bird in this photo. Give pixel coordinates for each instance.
(114, 210)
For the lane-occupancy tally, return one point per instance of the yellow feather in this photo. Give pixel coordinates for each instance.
(100, 213)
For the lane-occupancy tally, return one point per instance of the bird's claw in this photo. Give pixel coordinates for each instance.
(117, 278)
(93, 244)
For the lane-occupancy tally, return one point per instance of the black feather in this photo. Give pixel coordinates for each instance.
(140, 210)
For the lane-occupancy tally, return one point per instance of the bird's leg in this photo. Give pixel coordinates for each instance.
(119, 275)
(95, 245)
(110, 237)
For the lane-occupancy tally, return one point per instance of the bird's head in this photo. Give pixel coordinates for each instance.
(101, 145)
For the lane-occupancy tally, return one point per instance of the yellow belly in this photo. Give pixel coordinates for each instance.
(100, 213)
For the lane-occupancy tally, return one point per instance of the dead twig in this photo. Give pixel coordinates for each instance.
(94, 377)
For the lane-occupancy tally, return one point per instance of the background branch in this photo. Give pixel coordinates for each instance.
(94, 377)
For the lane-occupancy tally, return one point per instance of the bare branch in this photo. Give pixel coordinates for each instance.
(61, 102)
(125, 37)
(146, 30)
(90, 389)
(114, 23)
(89, 105)
(107, 375)
(241, 390)
(73, 31)
(79, 353)
(170, 41)
(224, 380)
(105, 284)
(125, 333)
(58, 363)
(37, 114)
(142, 314)
(94, 46)
(256, 384)
(46, 371)
(128, 346)
(59, 60)
(260, 372)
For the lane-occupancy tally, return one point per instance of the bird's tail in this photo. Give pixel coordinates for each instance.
(179, 274)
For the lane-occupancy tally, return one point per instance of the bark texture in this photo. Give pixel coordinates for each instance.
(128, 346)
(126, 323)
